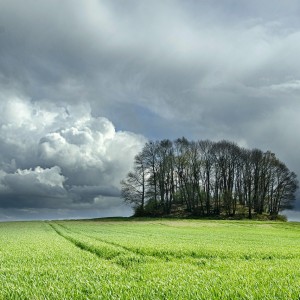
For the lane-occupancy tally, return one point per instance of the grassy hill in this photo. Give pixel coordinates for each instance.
(149, 259)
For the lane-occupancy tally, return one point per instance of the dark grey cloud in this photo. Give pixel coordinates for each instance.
(163, 69)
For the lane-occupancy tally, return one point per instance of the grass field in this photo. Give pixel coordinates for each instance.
(149, 259)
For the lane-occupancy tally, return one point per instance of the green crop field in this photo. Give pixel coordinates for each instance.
(149, 259)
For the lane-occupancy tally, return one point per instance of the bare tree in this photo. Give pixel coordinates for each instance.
(133, 188)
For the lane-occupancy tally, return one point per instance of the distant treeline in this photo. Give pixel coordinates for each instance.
(206, 178)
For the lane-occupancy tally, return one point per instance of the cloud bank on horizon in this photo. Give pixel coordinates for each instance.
(55, 157)
(72, 72)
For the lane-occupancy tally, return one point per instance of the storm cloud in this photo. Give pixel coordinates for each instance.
(73, 71)
(55, 157)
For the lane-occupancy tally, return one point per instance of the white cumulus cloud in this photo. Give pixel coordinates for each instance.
(60, 156)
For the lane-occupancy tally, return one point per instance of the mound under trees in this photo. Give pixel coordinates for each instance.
(206, 178)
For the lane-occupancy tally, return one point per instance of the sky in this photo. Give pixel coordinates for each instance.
(84, 84)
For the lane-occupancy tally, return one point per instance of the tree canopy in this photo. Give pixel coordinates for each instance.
(206, 178)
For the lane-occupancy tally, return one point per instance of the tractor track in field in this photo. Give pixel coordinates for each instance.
(103, 241)
(151, 257)
(159, 256)
(75, 242)
(123, 258)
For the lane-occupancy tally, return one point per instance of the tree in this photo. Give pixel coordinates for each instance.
(206, 161)
(166, 174)
(150, 156)
(133, 188)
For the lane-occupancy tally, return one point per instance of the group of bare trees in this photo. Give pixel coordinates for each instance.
(208, 178)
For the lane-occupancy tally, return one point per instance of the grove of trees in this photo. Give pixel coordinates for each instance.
(206, 178)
